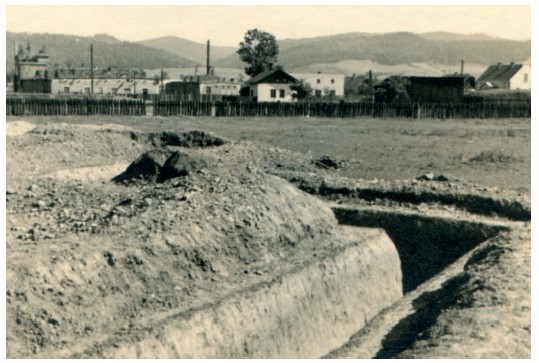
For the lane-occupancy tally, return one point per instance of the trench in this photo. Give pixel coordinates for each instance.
(432, 252)
(426, 244)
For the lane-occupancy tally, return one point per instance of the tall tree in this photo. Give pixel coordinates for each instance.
(259, 49)
(393, 89)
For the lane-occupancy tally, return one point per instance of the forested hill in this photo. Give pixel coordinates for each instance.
(66, 50)
(189, 49)
(396, 48)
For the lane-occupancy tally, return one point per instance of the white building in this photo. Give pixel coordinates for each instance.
(505, 76)
(116, 86)
(323, 84)
(272, 86)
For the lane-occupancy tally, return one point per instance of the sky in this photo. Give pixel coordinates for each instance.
(226, 25)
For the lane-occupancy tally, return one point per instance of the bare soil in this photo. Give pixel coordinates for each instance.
(89, 258)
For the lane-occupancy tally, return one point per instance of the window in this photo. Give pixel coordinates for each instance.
(281, 93)
(318, 93)
(273, 93)
(332, 93)
(208, 90)
(525, 77)
(318, 80)
(87, 90)
(332, 81)
(66, 90)
(114, 91)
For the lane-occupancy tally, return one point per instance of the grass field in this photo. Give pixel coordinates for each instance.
(493, 153)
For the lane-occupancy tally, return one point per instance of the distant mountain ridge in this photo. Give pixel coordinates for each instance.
(108, 51)
(383, 49)
(396, 48)
(191, 50)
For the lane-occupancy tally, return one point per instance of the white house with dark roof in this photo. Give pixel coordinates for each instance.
(505, 76)
(272, 86)
(324, 84)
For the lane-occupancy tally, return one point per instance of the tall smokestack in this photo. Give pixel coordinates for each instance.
(92, 68)
(208, 58)
(461, 67)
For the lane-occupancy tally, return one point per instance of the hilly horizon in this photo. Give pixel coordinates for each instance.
(396, 48)
(108, 51)
(433, 52)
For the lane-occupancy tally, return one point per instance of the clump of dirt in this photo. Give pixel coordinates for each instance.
(180, 164)
(328, 162)
(495, 156)
(193, 138)
(145, 167)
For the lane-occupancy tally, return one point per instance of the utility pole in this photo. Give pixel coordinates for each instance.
(16, 73)
(208, 58)
(161, 86)
(370, 85)
(91, 69)
(462, 67)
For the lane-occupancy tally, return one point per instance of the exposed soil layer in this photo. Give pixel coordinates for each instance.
(97, 268)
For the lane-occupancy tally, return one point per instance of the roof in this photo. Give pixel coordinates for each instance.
(499, 72)
(276, 75)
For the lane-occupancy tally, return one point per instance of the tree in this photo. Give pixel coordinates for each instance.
(301, 89)
(393, 89)
(259, 49)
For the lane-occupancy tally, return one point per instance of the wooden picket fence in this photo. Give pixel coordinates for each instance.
(182, 108)
(343, 109)
(92, 106)
(73, 106)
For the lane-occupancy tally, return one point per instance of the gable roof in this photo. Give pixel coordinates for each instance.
(276, 75)
(499, 72)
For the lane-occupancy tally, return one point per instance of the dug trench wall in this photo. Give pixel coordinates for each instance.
(304, 313)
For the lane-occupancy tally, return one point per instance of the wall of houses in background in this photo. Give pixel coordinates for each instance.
(105, 86)
(324, 84)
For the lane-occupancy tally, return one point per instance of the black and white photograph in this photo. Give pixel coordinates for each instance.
(267, 181)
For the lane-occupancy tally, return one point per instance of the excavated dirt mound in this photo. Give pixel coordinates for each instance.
(106, 257)
(91, 262)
